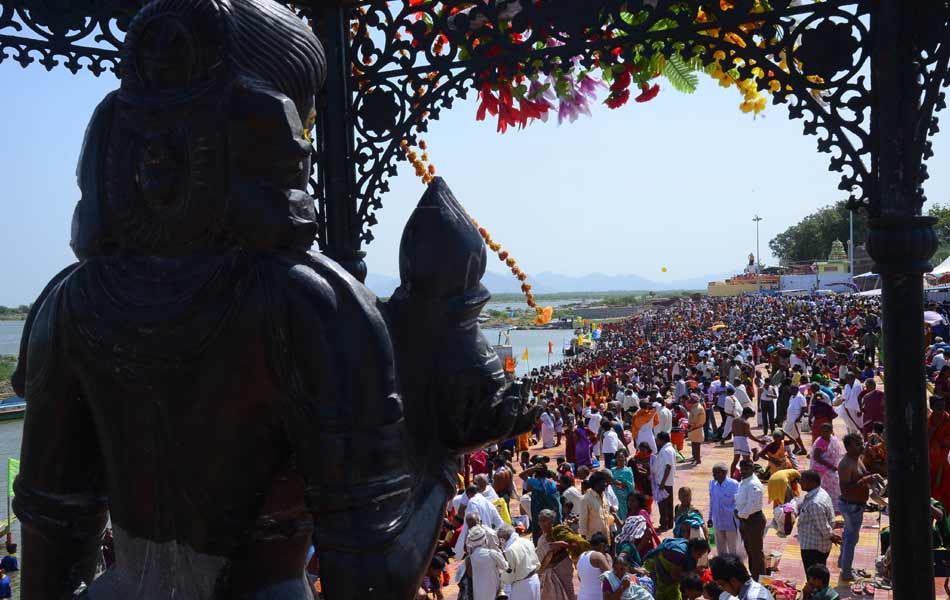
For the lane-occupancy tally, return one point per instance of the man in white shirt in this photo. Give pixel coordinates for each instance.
(851, 409)
(570, 493)
(521, 578)
(486, 511)
(742, 396)
(938, 361)
(486, 560)
(594, 417)
(610, 444)
(732, 409)
(630, 400)
(663, 469)
(666, 417)
(751, 519)
(481, 482)
(796, 411)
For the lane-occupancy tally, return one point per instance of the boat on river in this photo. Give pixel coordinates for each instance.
(12, 408)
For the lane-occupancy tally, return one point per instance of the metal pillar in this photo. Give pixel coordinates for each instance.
(758, 260)
(901, 242)
(335, 144)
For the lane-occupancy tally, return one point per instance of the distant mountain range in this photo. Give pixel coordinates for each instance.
(549, 283)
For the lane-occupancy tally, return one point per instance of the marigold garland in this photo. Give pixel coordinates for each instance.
(425, 171)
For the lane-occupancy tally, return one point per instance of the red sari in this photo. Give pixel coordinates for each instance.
(939, 445)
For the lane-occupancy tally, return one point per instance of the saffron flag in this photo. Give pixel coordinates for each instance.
(550, 348)
(525, 355)
(13, 469)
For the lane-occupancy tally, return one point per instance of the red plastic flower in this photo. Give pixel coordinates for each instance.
(617, 99)
(488, 104)
(648, 92)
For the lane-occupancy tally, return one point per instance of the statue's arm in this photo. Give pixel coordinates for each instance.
(56, 497)
(376, 517)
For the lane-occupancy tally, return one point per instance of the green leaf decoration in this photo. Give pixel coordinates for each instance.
(680, 74)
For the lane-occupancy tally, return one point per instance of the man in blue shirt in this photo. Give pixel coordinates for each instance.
(722, 506)
(6, 591)
(9, 562)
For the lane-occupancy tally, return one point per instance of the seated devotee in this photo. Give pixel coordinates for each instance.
(670, 561)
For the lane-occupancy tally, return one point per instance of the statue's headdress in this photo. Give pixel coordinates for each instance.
(203, 142)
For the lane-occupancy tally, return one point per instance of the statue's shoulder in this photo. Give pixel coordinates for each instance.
(322, 320)
(40, 329)
(314, 286)
(314, 279)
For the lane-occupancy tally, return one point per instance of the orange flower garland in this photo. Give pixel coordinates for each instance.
(426, 172)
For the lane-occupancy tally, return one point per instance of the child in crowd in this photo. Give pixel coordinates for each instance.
(818, 587)
(642, 476)
(691, 587)
(711, 591)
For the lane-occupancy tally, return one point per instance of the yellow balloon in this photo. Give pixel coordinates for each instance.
(663, 269)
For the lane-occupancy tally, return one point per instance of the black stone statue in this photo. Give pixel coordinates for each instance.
(224, 395)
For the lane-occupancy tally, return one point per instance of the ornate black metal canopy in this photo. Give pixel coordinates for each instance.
(864, 76)
(406, 61)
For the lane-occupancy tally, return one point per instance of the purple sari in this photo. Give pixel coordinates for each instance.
(583, 447)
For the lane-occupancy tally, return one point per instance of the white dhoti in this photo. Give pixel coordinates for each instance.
(728, 541)
(526, 589)
(727, 427)
(645, 436)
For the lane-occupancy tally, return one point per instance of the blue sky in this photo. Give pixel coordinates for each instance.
(671, 183)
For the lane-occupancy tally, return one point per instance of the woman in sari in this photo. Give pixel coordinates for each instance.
(670, 561)
(776, 453)
(623, 482)
(642, 475)
(783, 486)
(583, 446)
(689, 521)
(637, 536)
(826, 454)
(938, 429)
(557, 549)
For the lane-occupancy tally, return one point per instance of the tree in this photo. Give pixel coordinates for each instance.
(811, 239)
(942, 227)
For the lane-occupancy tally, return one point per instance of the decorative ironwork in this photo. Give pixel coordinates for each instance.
(412, 61)
(412, 58)
(74, 34)
(932, 74)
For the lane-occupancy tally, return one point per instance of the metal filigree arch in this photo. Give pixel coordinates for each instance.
(412, 59)
(405, 74)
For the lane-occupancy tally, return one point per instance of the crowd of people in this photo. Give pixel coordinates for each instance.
(771, 376)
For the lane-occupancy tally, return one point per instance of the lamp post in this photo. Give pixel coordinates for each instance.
(851, 243)
(758, 279)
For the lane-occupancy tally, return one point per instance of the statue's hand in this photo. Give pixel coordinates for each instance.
(452, 382)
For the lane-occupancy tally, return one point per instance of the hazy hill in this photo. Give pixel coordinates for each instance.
(549, 283)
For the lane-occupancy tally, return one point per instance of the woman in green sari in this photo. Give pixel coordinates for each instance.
(670, 561)
(623, 483)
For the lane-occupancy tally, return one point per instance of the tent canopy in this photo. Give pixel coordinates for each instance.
(943, 268)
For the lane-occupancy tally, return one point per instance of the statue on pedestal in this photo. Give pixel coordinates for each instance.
(225, 396)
